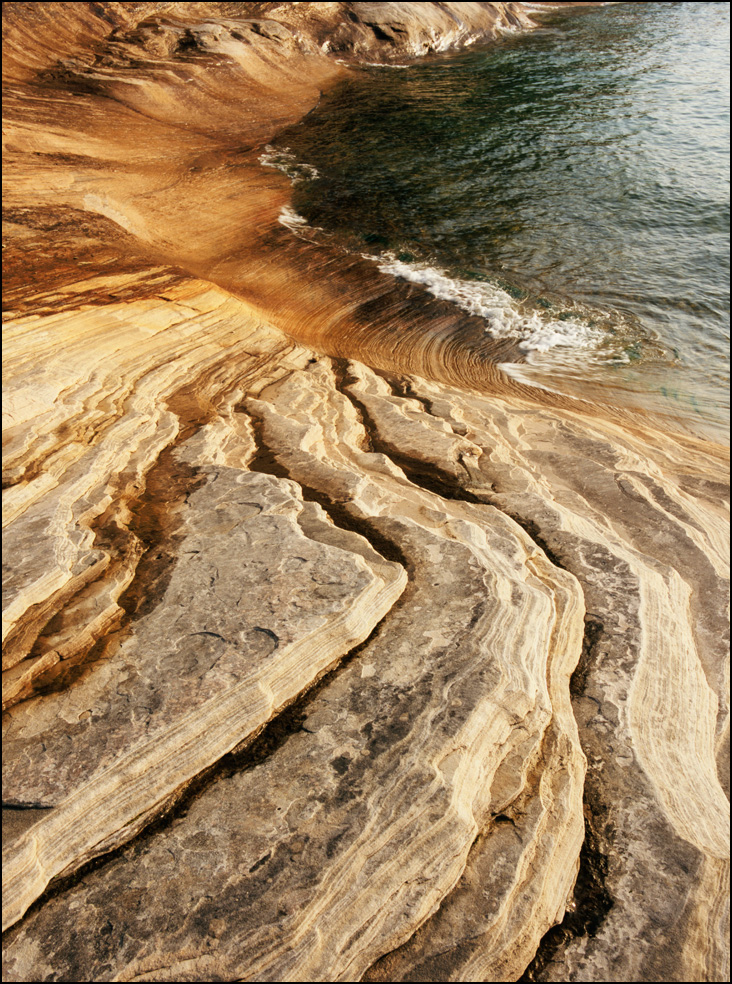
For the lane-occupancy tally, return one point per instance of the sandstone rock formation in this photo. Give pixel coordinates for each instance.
(330, 652)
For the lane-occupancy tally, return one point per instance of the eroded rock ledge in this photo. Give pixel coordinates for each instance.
(316, 669)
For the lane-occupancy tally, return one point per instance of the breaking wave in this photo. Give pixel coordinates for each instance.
(505, 316)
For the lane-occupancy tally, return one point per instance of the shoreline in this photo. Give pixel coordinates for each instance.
(356, 633)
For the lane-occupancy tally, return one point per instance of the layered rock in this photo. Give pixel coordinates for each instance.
(439, 740)
(458, 708)
(345, 656)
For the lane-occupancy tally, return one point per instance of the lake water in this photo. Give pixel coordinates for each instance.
(569, 185)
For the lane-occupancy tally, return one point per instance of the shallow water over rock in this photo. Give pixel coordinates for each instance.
(570, 186)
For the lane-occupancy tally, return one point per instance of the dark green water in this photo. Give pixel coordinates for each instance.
(570, 185)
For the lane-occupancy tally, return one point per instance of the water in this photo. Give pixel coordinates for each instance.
(571, 186)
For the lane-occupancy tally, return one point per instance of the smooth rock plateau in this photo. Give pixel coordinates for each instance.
(330, 654)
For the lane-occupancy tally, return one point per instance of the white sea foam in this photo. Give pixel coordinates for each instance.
(284, 160)
(298, 225)
(289, 218)
(519, 372)
(535, 331)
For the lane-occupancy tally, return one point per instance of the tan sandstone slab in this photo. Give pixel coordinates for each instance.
(337, 847)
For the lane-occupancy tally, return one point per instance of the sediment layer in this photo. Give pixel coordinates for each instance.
(330, 652)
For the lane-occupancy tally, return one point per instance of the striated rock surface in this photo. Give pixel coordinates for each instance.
(331, 653)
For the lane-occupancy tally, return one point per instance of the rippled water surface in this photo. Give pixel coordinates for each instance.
(571, 186)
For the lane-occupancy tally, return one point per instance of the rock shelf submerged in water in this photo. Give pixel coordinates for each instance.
(345, 656)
